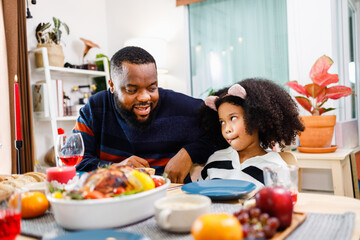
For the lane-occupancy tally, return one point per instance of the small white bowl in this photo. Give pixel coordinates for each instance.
(35, 187)
(177, 213)
(107, 212)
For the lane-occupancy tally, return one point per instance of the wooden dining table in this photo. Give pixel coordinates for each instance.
(307, 202)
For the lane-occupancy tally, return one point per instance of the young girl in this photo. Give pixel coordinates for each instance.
(251, 116)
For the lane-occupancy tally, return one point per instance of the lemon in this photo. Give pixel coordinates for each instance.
(146, 181)
(57, 195)
(135, 184)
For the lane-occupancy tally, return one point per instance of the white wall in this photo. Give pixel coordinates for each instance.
(310, 35)
(310, 32)
(85, 18)
(155, 18)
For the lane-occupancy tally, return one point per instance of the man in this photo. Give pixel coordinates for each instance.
(137, 123)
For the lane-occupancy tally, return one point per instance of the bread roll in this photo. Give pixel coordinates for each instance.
(150, 171)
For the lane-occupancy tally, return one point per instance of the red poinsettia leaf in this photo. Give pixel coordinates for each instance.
(314, 90)
(321, 66)
(337, 92)
(300, 89)
(304, 102)
(325, 79)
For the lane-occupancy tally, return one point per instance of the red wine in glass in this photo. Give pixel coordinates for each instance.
(71, 160)
(10, 220)
(70, 149)
(293, 197)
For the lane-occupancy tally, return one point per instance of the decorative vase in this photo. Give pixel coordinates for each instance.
(55, 55)
(318, 131)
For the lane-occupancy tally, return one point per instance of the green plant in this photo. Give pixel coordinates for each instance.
(100, 82)
(45, 34)
(318, 91)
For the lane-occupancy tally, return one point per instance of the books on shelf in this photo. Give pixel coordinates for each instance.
(43, 100)
(58, 95)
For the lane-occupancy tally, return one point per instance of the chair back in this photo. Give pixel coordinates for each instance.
(291, 159)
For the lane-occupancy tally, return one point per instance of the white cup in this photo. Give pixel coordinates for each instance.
(177, 213)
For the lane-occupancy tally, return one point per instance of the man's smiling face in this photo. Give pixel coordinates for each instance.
(138, 91)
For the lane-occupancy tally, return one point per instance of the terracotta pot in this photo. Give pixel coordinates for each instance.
(318, 132)
(55, 55)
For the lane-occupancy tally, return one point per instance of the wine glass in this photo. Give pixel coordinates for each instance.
(10, 216)
(69, 149)
(286, 177)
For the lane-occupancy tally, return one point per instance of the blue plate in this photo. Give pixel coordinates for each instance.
(101, 234)
(220, 189)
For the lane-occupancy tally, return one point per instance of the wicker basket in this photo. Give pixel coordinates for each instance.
(55, 55)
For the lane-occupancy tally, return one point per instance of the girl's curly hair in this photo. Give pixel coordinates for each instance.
(267, 108)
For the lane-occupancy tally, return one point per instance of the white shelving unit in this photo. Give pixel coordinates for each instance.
(50, 72)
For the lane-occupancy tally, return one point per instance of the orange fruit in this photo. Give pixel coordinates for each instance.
(216, 226)
(33, 204)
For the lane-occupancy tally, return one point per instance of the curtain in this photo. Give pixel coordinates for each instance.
(5, 133)
(235, 39)
(17, 58)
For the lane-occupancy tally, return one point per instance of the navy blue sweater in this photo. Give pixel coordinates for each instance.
(108, 138)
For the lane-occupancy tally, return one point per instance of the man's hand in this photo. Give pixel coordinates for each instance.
(179, 166)
(134, 161)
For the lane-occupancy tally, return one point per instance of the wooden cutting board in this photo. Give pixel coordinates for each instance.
(297, 220)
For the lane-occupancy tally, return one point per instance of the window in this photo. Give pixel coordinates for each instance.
(231, 40)
(351, 64)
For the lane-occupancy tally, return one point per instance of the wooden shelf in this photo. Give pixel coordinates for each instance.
(72, 71)
(66, 118)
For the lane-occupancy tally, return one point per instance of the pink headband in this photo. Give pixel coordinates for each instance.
(236, 90)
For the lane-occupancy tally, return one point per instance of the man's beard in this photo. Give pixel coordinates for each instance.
(131, 118)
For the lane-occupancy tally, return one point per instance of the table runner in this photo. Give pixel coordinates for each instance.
(47, 228)
(316, 226)
(325, 226)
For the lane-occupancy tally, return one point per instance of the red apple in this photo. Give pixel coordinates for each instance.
(277, 202)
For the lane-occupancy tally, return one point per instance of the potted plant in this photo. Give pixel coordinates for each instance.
(319, 128)
(50, 38)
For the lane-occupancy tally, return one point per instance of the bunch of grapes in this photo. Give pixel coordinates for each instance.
(256, 224)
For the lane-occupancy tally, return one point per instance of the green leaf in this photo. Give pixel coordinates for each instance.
(66, 28)
(324, 110)
(76, 196)
(56, 23)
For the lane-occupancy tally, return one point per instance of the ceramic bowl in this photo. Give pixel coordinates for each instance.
(108, 212)
(35, 187)
(177, 213)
